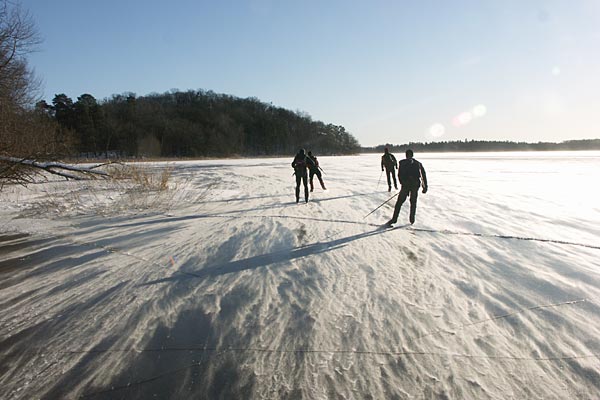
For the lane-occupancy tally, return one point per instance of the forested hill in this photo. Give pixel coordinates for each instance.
(484, 145)
(193, 124)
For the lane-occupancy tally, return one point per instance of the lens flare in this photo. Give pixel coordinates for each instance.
(437, 130)
(465, 117)
(462, 119)
(479, 111)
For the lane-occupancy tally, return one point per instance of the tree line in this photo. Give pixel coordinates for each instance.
(25, 133)
(487, 145)
(174, 124)
(193, 123)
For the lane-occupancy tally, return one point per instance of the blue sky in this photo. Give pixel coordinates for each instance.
(388, 71)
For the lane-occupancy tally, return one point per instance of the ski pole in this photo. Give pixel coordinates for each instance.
(321, 169)
(382, 204)
(379, 181)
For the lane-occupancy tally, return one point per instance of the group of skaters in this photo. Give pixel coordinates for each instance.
(410, 173)
(301, 164)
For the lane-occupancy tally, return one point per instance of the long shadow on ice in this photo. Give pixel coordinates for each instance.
(13, 242)
(264, 260)
(352, 195)
(96, 225)
(58, 257)
(232, 214)
(197, 374)
(244, 198)
(38, 335)
(62, 264)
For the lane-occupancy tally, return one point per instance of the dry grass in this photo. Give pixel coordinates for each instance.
(143, 177)
(131, 189)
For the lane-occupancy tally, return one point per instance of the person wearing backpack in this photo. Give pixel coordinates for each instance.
(314, 170)
(300, 164)
(410, 172)
(389, 162)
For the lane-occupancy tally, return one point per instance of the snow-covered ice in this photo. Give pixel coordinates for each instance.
(224, 287)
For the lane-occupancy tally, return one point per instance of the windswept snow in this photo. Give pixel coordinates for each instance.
(224, 287)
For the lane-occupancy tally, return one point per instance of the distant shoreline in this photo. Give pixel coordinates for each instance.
(472, 146)
(403, 148)
(487, 146)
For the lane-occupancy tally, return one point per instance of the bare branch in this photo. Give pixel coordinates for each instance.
(56, 168)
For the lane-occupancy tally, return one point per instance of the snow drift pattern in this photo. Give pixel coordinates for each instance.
(231, 290)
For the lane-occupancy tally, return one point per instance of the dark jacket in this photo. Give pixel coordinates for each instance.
(410, 171)
(314, 167)
(301, 162)
(388, 160)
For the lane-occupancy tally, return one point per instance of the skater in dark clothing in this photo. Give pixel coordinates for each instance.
(300, 164)
(389, 162)
(314, 170)
(410, 172)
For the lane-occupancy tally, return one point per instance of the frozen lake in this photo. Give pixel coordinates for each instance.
(223, 287)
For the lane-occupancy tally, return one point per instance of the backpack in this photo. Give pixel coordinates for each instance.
(300, 162)
(410, 171)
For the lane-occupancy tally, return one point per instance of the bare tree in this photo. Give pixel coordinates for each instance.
(18, 38)
(26, 133)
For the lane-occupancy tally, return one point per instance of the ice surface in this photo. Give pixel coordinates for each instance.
(224, 287)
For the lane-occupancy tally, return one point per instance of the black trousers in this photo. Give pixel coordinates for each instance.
(301, 177)
(406, 191)
(312, 173)
(390, 173)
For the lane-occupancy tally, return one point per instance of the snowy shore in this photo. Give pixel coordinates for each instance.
(224, 287)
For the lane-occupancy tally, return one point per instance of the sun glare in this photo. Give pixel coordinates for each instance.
(437, 130)
(479, 111)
